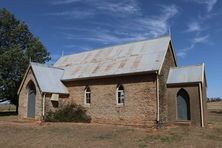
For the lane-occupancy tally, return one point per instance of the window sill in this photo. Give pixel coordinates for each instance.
(87, 105)
(183, 122)
(120, 105)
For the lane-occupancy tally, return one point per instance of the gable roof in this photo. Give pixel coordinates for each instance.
(187, 74)
(48, 78)
(135, 57)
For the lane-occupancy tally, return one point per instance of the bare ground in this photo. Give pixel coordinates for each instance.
(14, 133)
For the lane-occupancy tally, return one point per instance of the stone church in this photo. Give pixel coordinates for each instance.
(137, 83)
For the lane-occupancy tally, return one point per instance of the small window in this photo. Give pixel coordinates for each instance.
(120, 94)
(87, 95)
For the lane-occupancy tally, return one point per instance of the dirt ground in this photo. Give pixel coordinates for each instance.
(14, 133)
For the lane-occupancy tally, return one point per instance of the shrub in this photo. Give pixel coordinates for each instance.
(68, 113)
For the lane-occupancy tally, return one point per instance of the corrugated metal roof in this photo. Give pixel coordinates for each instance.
(49, 78)
(141, 56)
(187, 74)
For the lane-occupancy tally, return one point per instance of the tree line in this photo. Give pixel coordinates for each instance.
(216, 99)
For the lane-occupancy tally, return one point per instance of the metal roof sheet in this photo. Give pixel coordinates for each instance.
(49, 78)
(140, 56)
(187, 74)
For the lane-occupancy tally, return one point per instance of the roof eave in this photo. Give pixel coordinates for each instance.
(183, 83)
(48, 92)
(113, 75)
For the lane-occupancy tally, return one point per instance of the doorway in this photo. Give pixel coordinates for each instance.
(31, 100)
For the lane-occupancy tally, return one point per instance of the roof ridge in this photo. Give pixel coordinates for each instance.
(45, 65)
(121, 44)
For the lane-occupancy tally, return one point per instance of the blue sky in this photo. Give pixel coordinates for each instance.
(72, 26)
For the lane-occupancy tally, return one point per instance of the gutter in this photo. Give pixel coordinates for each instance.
(201, 105)
(157, 96)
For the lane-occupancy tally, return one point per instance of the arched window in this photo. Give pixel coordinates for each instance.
(183, 105)
(31, 99)
(120, 95)
(87, 95)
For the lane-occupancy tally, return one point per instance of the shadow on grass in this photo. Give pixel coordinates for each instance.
(9, 113)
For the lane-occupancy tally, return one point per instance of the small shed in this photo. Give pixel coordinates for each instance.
(186, 95)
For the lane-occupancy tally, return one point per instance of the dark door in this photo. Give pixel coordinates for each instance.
(31, 101)
(183, 105)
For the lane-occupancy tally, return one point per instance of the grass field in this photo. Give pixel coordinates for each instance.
(7, 108)
(15, 133)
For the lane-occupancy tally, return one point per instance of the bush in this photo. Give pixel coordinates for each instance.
(68, 113)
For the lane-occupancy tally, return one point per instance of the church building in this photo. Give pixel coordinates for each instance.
(137, 83)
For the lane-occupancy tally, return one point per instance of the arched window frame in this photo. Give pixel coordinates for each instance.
(87, 96)
(188, 103)
(120, 95)
(30, 87)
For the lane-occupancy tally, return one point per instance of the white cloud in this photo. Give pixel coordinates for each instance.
(209, 3)
(196, 40)
(194, 26)
(183, 52)
(62, 2)
(103, 36)
(201, 39)
(75, 14)
(123, 7)
(75, 46)
(116, 8)
(159, 25)
(132, 29)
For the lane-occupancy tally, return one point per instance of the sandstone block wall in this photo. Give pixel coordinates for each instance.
(140, 99)
(23, 98)
(193, 92)
(168, 62)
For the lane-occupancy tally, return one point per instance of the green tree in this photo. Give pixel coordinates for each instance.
(17, 46)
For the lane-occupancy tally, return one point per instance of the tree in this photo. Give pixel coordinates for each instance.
(17, 46)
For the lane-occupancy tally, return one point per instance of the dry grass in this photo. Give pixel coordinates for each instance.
(215, 105)
(26, 134)
(7, 108)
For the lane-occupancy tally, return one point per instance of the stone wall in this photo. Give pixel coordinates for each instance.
(204, 95)
(55, 105)
(23, 97)
(168, 62)
(193, 92)
(140, 99)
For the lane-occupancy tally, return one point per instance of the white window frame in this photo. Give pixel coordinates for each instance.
(122, 97)
(85, 96)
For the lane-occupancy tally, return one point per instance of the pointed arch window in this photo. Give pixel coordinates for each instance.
(183, 105)
(87, 95)
(120, 95)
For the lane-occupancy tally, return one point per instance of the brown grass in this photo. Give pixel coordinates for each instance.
(215, 105)
(7, 108)
(14, 133)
